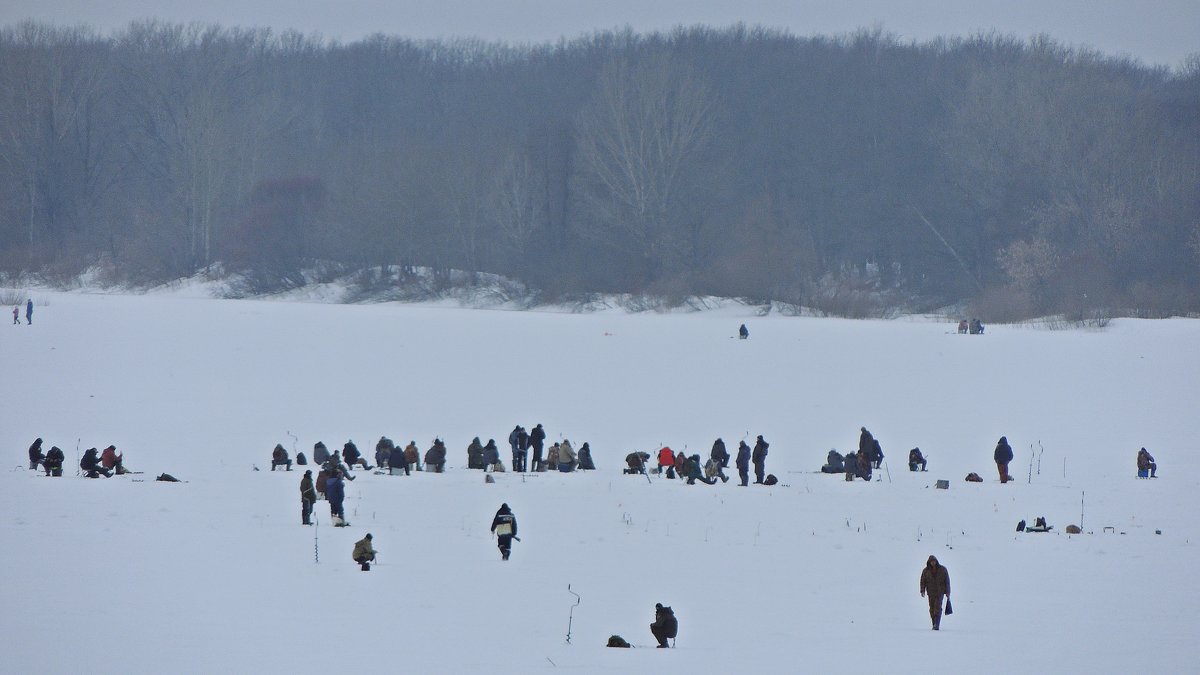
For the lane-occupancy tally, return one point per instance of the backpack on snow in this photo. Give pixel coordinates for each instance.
(618, 641)
(770, 479)
(974, 478)
(166, 477)
(301, 460)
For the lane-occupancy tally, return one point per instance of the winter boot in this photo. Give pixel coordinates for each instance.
(366, 567)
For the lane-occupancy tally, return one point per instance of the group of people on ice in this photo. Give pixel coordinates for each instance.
(561, 456)
(95, 463)
(679, 465)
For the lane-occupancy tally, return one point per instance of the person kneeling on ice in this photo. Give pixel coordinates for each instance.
(693, 472)
(364, 554)
(91, 464)
(915, 459)
(665, 625)
(279, 457)
(935, 582)
(834, 462)
(743, 332)
(54, 461)
(635, 462)
(1145, 462)
(335, 492)
(504, 525)
(666, 460)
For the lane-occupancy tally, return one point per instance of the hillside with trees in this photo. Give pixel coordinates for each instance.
(854, 174)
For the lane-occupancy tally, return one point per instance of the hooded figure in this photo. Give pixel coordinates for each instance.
(743, 332)
(475, 454)
(1145, 462)
(397, 460)
(279, 457)
(760, 459)
(1003, 456)
(435, 457)
(834, 462)
(308, 497)
(719, 454)
(491, 456)
(54, 461)
(91, 464)
(364, 553)
(320, 453)
(536, 438)
(36, 457)
(383, 451)
(665, 625)
(585, 458)
(915, 459)
(566, 457)
(504, 525)
(743, 463)
(935, 583)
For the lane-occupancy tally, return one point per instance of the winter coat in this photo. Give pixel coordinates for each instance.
(109, 458)
(512, 438)
(278, 454)
(566, 454)
(537, 437)
(1144, 458)
(835, 461)
(35, 451)
(915, 456)
(350, 453)
(851, 463)
(307, 491)
(320, 453)
(90, 461)
(491, 454)
(436, 454)
(1004, 453)
(865, 443)
(876, 451)
(335, 489)
(363, 550)
(692, 469)
(664, 620)
(719, 454)
(760, 451)
(523, 440)
(505, 516)
(680, 463)
(383, 450)
(637, 460)
(396, 459)
(666, 457)
(322, 481)
(935, 580)
(475, 454)
(585, 458)
(55, 457)
(743, 457)
(411, 454)
(552, 456)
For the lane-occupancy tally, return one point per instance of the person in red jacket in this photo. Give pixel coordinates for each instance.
(110, 460)
(666, 459)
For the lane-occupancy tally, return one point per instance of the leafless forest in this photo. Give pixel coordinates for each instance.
(854, 174)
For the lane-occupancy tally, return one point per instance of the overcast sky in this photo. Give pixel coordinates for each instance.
(1159, 32)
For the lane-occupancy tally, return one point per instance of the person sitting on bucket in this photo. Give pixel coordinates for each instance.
(364, 554)
(743, 332)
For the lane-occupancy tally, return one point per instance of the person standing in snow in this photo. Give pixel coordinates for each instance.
(935, 583)
(36, 457)
(876, 452)
(29, 312)
(537, 437)
(743, 463)
(760, 459)
(665, 625)
(516, 450)
(1003, 455)
(719, 454)
(523, 449)
(364, 553)
(504, 525)
(335, 492)
(308, 497)
(743, 332)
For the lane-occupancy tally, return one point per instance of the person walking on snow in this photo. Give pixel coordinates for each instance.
(1003, 456)
(29, 312)
(504, 525)
(16, 315)
(335, 492)
(760, 459)
(308, 497)
(536, 438)
(935, 583)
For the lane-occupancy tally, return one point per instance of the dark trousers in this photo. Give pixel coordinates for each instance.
(935, 609)
(759, 470)
(1002, 468)
(537, 458)
(912, 466)
(335, 509)
(504, 543)
(707, 481)
(660, 634)
(519, 461)
(306, 507)
(744, 474)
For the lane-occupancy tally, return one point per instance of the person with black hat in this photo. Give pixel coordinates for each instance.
(665, 625)
(364, 553)
(308, 497)
(537, 438)
(759, 456)
(504, 525)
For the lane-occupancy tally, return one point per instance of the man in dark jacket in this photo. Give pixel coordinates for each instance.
(522, 449)
(397, 461)
(1145, 462)
(1003, 456)
(308, 497)
(383, 451)
(475, 454)
(504, 525)
(320, 453)
(665, 625)
(694, 472)
(54, 461)
(279, 457)
(353, 457)
(834, 462)
(876, 452)
(491, 456)
(515, 447)
(91, 464)
(585, 458)
(719, 454)
(335, 492)
(760, 459)
(850, 462)
(435, 457)
(743, 463)
(935, 583)
(536, 438)
(35, 454)
(915, 459)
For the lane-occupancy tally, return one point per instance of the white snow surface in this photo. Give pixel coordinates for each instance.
(216, 575)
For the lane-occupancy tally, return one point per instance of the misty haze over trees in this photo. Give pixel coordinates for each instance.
(851, 174)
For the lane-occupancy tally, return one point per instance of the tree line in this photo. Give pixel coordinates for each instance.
(854, 174)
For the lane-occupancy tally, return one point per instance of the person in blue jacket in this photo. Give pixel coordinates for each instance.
(335, 492)
(743, 463)
(29, 312)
